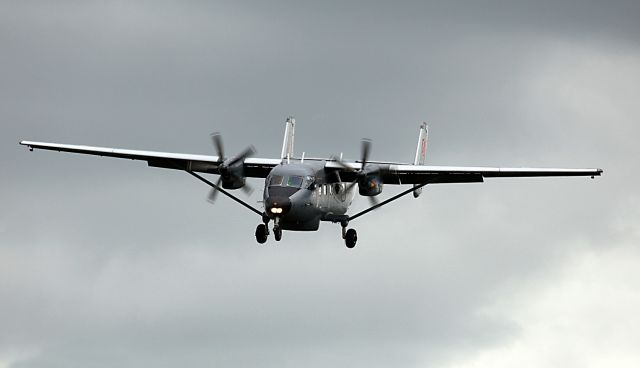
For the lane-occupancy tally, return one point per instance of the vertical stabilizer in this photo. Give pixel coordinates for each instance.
(421, 152)
(289, 134)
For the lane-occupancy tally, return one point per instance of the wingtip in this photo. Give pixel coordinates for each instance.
(598, 172)
(28, 144)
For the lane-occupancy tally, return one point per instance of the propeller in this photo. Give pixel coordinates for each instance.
(365, 149)
(227, 168)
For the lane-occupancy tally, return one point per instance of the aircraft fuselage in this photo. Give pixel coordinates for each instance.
(298, 196)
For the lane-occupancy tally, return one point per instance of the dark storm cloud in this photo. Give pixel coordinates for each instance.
(110, 262)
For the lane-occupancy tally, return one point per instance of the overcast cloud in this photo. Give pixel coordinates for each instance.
(109, 263)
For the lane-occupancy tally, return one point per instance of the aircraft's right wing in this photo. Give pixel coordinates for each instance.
(254, 167)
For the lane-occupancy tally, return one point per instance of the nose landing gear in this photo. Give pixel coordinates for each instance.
(277, 230)
(277, 233)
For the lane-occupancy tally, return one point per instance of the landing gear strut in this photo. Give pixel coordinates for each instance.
(277, 230)
(350, 236)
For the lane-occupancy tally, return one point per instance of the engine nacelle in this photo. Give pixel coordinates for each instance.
(233, 182)
(370, 185)
(232, 176)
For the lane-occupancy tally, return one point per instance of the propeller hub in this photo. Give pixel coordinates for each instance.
(223, 170)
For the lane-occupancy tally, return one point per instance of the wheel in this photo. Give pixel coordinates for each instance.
(261, 233)
(277, 233)
(351, 238)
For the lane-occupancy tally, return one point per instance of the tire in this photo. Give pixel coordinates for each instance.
(261, 233)
(277, 233)
(351, 237)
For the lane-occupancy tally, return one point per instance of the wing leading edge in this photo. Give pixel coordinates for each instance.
(254, 167)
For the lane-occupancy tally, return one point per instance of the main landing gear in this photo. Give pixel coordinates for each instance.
(262, 231)
(350, 236)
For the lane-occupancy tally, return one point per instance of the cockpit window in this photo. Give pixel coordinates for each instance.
(276, 180)
(294, 181)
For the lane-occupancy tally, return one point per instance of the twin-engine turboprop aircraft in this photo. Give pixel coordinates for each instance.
(301, 192)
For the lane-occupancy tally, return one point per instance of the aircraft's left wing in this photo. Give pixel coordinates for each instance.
(254, 167)
(419, 174)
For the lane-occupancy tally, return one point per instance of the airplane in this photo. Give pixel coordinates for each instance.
(301, 192)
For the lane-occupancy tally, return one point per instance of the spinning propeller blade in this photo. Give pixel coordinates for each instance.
(224, 168)
(248, 152)
(213, 193)
(217, 143)
(365, 149)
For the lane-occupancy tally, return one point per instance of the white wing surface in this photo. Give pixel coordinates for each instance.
(254, 167)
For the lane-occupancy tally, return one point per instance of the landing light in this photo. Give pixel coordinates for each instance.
(276, 210)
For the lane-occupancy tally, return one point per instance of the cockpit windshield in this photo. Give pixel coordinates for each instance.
(276, 180)
(291, 181)
(294, 181)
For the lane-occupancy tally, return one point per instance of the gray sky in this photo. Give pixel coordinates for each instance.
(109, 263)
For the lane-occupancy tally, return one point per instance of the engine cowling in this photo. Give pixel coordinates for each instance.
(232, 176)
(370, 185)
(233, 183)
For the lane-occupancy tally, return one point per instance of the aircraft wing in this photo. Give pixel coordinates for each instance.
(254, 167)
(418, 174)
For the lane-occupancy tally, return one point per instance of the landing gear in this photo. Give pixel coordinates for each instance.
(350, 238)
(262, 232)
(277, 230)
(277, 233)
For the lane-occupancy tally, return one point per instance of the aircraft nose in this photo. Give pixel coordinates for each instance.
(278, 206)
